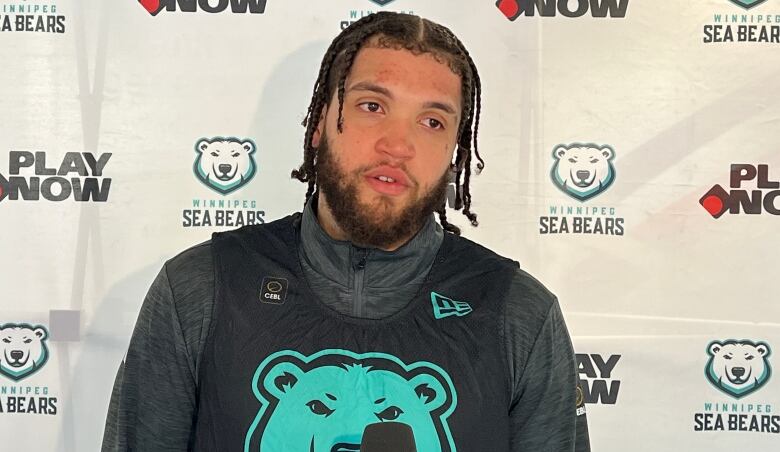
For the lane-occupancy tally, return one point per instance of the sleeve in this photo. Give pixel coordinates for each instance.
(153, 403)
(546, 414)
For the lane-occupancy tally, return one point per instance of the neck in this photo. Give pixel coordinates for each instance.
(333, 229)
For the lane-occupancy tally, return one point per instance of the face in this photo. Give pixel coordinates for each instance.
(386, 172)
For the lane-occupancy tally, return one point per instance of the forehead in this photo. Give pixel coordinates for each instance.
(585, 151)
(417, 76)
(15, 332)
(226, 145)
(735, 348)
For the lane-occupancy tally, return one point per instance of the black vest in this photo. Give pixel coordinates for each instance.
(282, 372)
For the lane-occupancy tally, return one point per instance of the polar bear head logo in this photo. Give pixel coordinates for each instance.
(583, 171)
(23, 349)
(224, 164)
(738, 368)
(747, 4)
(323, 402)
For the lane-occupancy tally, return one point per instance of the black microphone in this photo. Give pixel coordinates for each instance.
(388, 437)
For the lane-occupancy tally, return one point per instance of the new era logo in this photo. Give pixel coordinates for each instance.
(446, 307)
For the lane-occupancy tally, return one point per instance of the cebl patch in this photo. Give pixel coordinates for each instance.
(273, 290)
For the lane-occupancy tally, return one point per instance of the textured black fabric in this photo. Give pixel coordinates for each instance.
(461, 403)
(154, 402)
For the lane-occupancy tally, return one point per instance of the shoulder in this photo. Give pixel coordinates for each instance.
(190, 275)
(265, 230)
(190, 270)
(471, 255)
(524, 290)
(529, 307)
(527, 298)
(267, 238)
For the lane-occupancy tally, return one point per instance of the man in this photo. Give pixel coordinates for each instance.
(298, 334)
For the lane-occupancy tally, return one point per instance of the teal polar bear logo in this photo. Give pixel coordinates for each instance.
(225, 164)
(323, 402)
(583, 171)
(24, 349)
(738, 368)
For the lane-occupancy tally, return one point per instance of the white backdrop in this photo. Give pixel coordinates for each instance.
(108, 77)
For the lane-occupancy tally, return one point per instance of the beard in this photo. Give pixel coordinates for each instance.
(376, 224)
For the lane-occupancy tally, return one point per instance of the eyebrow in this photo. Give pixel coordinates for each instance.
(373, 87)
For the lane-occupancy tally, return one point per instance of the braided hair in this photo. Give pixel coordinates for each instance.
(419, 36)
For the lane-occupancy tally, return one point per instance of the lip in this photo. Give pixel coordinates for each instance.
(401, 184)
(390, 171)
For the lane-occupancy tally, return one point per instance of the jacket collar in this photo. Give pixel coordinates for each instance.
(339, 260)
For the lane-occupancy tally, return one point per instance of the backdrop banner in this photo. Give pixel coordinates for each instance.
(632, 166)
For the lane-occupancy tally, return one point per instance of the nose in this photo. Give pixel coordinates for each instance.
(583, 174)
(224, 168)
(396, 142)
(16, 354)
(738, 371)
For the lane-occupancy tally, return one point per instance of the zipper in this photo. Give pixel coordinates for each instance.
(360, 273)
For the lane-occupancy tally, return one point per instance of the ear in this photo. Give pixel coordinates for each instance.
(762, 349)
(40, 332)
(281, 378)
(559, 152)
(714, 348)
(317, 135)
(607, 152)
(430, 391)
(248, 146)
(202, 145)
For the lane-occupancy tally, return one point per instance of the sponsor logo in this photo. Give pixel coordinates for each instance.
(579, 400)
(356, 14)
(513, 9)
(732, 25)
(273, 290)
(79, 176)
(224, 165)
(582, 171)
(154, 7)
(597, 384)
(24, 352)
(447, 307)
(37, 16)
(747, 4)
(737, 368)
(764, 198)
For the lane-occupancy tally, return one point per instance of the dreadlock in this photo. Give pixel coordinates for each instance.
(417, 35)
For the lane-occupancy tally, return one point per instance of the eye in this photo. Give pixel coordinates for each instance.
(390, 413)
(749, 358)
(594, 161)
(214, 154)
(6, 340)
(572, 160)
(319, 408)
(27, 341)
(434, 123)
(235, 154)
(727, 357)
(372, 107)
